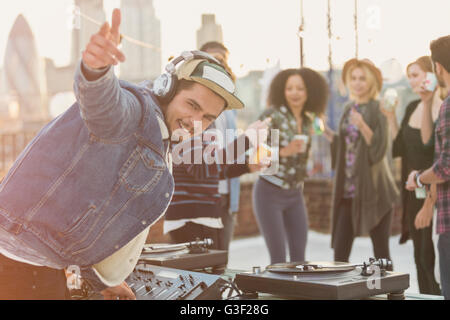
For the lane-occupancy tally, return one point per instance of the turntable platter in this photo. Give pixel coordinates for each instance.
(310, 267)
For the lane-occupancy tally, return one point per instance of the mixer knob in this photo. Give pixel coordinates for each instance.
(256, 270)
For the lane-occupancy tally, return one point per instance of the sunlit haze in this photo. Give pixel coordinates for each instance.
(258, 33)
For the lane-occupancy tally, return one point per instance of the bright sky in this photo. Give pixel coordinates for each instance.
(257, 30)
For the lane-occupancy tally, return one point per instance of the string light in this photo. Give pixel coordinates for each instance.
(122, 36)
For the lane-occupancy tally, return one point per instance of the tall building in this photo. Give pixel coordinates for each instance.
(140, 22)
(84, 29)
(60, 79)
(209, 31)
(23, 73)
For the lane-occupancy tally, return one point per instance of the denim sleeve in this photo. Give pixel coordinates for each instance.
(109, 111)
(89, 275)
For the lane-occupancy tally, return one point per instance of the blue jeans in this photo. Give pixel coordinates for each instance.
(444, 263)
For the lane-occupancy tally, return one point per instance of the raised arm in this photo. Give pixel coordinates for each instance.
(108, 110)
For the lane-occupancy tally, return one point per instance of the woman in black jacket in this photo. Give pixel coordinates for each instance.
(414, 144)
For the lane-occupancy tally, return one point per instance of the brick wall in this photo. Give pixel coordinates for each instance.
(318, 197)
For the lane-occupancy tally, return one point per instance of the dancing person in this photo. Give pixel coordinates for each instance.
(364, 190)
(414, 144)
(85, 191)
(439, 172)
(278, 202)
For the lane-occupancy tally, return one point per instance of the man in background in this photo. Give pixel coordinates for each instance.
(229, 189)
(439, 173)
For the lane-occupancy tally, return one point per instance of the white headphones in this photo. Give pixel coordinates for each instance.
(164, 87)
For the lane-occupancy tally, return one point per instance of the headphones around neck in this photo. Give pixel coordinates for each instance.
(165, 85)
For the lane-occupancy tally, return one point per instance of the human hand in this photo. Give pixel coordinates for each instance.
(102, 51)
(411, 182)
(258, 131)
(294, 147)
(120, 292)
(328, 133)
(425, 95)
(356, 118)
(424, 216)
(388, 110)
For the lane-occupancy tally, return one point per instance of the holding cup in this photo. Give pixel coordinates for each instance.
(304, 141)
(263, 154)
(390, 99)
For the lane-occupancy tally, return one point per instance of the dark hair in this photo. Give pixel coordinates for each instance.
(181, 85)
(184, 84)
(213, 45)
(316, 88)
(440, 51)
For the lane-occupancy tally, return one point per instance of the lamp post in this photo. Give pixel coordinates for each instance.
(331, 102)
(301, 28)
(355, 20)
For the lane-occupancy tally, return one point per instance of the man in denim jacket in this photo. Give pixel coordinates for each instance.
(84, 192)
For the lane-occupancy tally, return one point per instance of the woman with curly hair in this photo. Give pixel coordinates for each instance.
(278, 199)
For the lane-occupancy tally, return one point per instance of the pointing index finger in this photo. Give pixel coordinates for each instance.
(115, 24)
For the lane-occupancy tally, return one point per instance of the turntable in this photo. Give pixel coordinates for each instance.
(326, 280)
(193, 255)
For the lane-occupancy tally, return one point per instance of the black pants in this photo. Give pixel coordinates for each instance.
(21, 281)
(424, 256)
(228, 220)
(343, 237)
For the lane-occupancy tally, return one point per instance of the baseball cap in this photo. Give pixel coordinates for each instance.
(213, 77)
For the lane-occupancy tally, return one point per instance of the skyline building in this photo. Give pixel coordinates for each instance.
(209, 30)
(23, 74)
(83, 29)
(140, 22)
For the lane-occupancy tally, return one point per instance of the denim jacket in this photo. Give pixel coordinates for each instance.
(91, 180)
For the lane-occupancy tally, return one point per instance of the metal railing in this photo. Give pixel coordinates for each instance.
(11, 145)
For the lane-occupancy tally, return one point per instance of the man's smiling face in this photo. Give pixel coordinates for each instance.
(191, 104)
